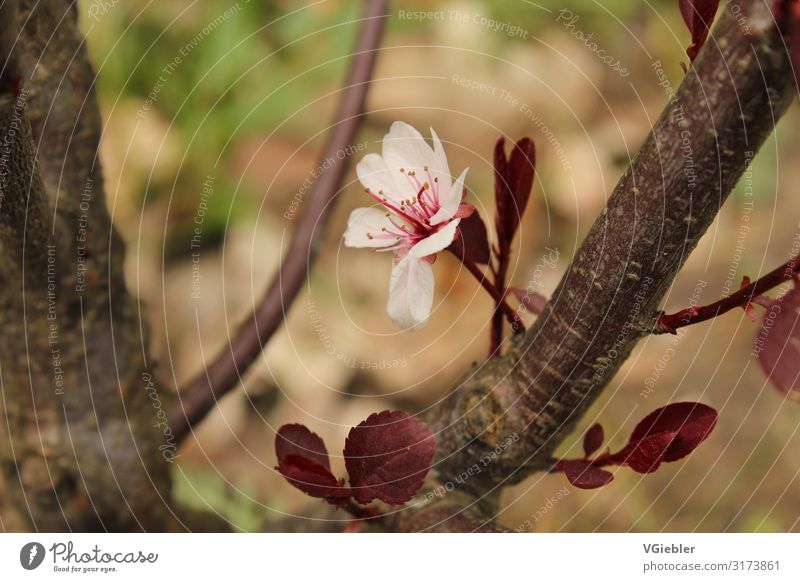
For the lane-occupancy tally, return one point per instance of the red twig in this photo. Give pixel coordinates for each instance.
(496, 333)
(202, 393)
(359, 512)
(670, 323)
(503, 307)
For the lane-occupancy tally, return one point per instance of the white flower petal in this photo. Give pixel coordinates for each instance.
(411, 293)
(438, 241)
(374, 174)
(439, 168)
(365, 223)
(449, 201)
(404, 147)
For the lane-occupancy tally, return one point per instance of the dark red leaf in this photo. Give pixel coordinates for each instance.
(311, 478)
(593, 439)
(303, 460)
(778, 343)
(513, 183)
(690, 423)
(387, 457)
(296, 439)
(583, 475)
(473, 240)
(646, 455)
(521, 169)
(698, 16)
(501, 188)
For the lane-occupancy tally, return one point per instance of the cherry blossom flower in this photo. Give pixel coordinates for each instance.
(416, 216)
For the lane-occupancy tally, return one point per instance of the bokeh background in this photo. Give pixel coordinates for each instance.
(244, 111)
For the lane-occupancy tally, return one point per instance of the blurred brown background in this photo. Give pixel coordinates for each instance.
(238, 96)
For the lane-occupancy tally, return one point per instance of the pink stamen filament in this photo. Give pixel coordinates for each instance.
(385, 202)
(434, 186)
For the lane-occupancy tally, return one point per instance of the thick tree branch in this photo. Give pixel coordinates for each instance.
(79, 437)
(224, 373)
(727, 105)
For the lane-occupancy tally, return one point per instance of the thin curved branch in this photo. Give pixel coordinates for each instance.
(223, 374)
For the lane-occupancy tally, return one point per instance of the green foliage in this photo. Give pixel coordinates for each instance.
(206, 490)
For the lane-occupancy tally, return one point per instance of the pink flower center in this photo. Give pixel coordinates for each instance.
(410, 220)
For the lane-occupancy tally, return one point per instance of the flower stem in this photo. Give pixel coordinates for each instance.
(513, 317)
(358, 511)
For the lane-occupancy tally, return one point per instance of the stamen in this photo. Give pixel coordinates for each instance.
(402, 212)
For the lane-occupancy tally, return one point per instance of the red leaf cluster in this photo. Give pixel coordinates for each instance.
(303, 460)
(698, 16)
(513, 181)
(387, 457)
(665, 435)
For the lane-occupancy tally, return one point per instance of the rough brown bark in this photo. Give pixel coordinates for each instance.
(80, 435)
(725, 108)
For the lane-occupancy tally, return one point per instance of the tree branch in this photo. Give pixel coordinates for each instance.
(79, 439)
(727, 105)
(741, 298)
(224, 373)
